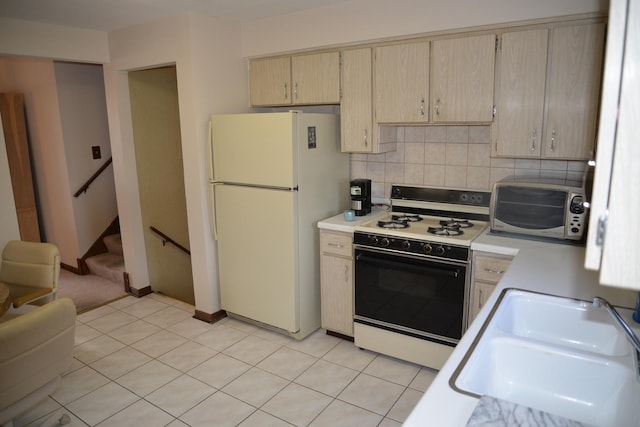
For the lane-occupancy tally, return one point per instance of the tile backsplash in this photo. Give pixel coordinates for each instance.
(450, 157)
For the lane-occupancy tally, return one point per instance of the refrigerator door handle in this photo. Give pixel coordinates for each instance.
(212, 210)
(210, 152)
(264, 187)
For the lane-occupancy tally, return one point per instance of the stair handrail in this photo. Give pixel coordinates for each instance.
(86, 185)
(166, 239)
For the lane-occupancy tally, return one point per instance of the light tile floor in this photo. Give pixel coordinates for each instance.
(147, 362)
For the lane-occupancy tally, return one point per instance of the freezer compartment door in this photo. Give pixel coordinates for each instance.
(254, 149)
(257, 254)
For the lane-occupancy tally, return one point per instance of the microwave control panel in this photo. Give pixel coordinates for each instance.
(576, 217)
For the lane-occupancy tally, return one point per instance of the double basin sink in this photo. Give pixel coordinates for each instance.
(557, 355)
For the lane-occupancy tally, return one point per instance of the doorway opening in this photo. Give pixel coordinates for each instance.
(158, 150)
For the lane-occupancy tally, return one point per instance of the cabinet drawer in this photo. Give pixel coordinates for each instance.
(339, 244)
(490, 270)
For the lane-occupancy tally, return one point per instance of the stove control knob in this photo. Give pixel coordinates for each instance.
(427, 248)
(405, 245)
(373, 240)
(440, 250)
(384, 242)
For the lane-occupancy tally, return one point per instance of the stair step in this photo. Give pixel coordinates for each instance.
(108, 265)
(113, 243)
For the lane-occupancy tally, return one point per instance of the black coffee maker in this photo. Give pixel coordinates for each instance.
(361, 196)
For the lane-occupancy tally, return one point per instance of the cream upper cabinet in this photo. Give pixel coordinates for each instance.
(270, 81)
(573, 89)
(298, 80)
(462, 79)
(548, 87)
(356, 113)
(521, 87)
(316, 78)
(401, 75)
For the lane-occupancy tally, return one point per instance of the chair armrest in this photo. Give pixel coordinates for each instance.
(31, 296)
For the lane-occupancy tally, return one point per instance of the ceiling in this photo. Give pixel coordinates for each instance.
(108, 15)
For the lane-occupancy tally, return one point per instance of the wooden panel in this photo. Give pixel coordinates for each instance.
(481, 292)
(402, 83)
(621, 252)
(270, 81)
(356, 103)
(316, 78)
(334, 243)
(521, 86)
(573, 86)
(462, 81)
(490, 269)
(337, 294)
(15, 134)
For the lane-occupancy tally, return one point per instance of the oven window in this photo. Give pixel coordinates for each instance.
(418, 294)
(529, 208)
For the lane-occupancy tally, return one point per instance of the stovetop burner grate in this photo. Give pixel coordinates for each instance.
(445, 230)
(393, 224)
(459, 223)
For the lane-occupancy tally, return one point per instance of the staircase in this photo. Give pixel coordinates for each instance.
(110, 264)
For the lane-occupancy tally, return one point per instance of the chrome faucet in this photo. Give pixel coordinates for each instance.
(601, 302)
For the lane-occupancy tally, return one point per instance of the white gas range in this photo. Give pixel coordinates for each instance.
(412, 272)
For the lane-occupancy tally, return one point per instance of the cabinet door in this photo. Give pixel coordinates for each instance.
(402, 83)
(356, 105)
(521, 87)
(617, 175)
(316, 78)
(462, 80)
(481, 292)
(574, 80)
(337, 294)
(270, 81)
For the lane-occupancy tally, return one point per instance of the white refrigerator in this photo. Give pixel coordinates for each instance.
(272, 177)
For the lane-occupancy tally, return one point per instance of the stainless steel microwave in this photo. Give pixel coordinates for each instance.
(539, 207)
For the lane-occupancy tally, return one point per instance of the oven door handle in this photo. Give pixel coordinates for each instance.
(383, 258)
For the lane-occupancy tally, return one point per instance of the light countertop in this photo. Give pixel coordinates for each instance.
(552, 268)
(338, 223)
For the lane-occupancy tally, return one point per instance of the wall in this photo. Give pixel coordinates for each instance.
(35, 78)
(211, 78)
(34, 39)
(450, 156)
(83, 112)
(356, 21)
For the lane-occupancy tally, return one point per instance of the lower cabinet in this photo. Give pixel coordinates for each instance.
(336, 281)
(487, 270)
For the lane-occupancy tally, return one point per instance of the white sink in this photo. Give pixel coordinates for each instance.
(556, 355)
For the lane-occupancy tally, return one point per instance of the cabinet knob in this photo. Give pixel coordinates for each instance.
(553, 139)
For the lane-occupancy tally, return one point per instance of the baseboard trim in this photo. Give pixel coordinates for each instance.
(339, 335)
(210, 317)
(139, 293)
(70, 268)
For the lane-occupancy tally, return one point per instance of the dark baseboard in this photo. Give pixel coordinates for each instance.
(339, 335)
(139, 293)
(210, 317)
(74, 270)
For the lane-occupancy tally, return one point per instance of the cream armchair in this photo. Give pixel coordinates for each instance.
(31, 271)
(35, 350)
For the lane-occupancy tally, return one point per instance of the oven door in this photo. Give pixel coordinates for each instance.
(412, 295)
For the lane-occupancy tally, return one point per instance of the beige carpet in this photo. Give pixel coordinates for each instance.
(88, 291)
